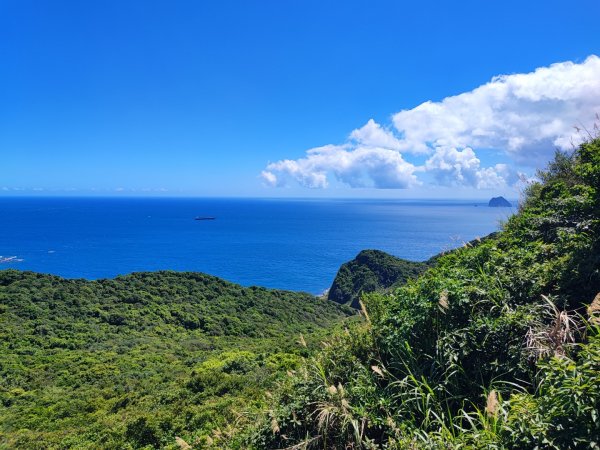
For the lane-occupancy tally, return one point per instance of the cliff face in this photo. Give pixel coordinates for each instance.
(499, 202)
(370, 271)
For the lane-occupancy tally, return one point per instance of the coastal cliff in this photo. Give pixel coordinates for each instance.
(370, 271)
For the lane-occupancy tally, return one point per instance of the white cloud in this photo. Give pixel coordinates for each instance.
(373, 135)
(526, 115)
(523, 116)
(358, 167)
(452, 167)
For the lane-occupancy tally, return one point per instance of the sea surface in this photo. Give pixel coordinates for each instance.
(287, 244)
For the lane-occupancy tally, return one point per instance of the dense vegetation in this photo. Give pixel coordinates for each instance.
(370, 271)
(493, 347)
(496, 345)
(143, 359)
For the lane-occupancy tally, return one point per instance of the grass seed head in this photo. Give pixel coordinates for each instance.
(492, 404)
(302, 341)
(378, 371)
(443, 302)
(275, 426)
(182, 444)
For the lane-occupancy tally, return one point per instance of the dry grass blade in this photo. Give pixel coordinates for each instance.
(326, 415)
(304, 444)
(363, 310)
(552, 340)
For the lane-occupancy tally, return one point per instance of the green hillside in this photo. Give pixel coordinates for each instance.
(139, 360)
(370, 271)
(493, 347)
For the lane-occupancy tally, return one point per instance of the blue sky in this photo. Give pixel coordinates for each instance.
(201, 98)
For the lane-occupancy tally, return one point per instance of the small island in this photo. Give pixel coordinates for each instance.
(499, 202)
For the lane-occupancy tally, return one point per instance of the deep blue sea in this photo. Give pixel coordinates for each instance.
(288, 244)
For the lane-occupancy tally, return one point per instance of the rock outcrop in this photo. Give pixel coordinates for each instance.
(370, 271)
(499, 202)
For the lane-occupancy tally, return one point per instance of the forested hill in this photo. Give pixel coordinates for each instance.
(154, 302)
(370, 271)
(141, 359)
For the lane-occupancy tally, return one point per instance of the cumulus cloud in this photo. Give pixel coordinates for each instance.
(373, 135)
(524, 117)
(356, 166)
(452, 167)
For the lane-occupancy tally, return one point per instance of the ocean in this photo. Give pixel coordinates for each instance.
(286, 244)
